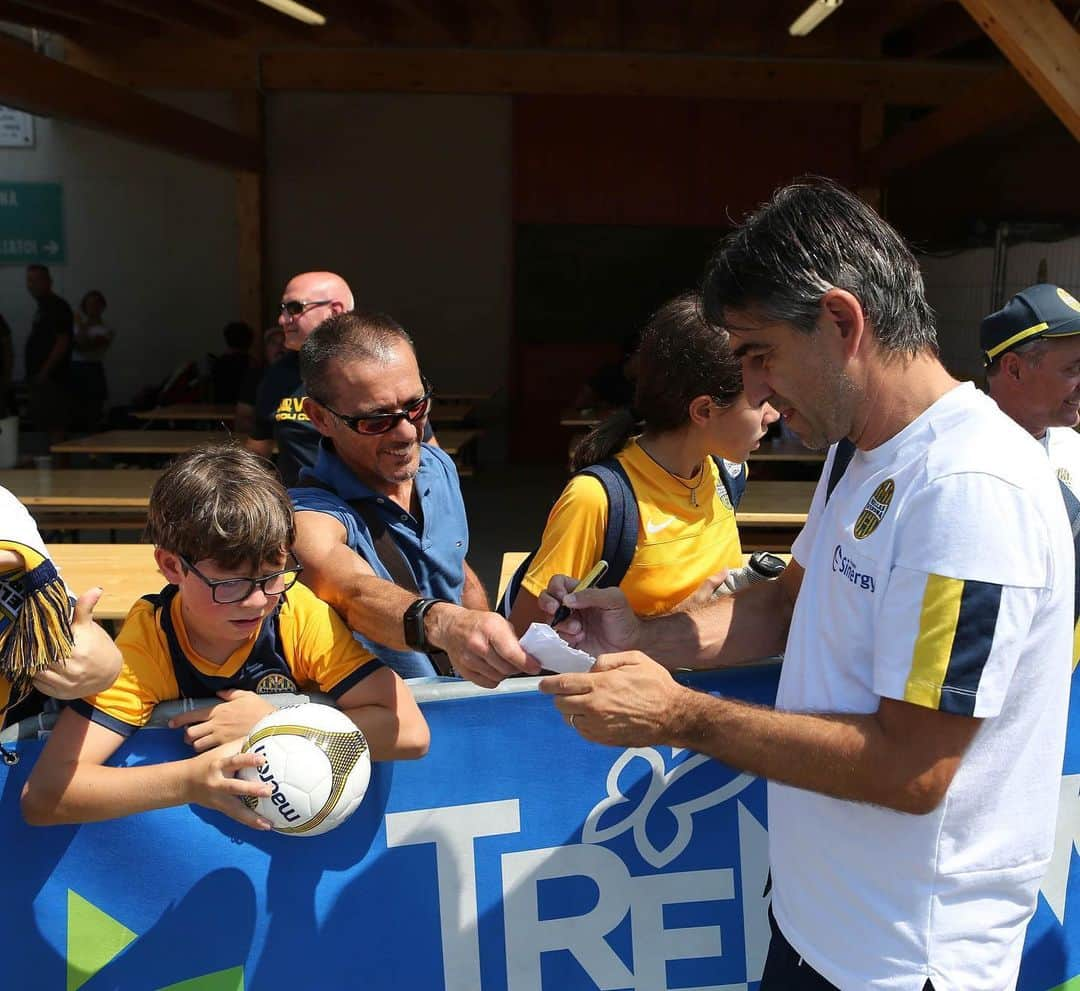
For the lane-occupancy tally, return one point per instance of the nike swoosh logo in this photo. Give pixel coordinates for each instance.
(657, 527)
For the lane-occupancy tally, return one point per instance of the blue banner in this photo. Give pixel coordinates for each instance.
(514, 857)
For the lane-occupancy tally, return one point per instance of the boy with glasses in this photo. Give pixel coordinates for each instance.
(232, 622)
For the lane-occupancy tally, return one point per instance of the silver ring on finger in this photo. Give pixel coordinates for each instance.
(573, 717)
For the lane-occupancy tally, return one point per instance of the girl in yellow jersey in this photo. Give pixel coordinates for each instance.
(690, 399)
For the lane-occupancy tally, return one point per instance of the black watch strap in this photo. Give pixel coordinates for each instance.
(413, 624)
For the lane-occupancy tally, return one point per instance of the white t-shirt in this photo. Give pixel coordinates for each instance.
(1063, 446)
(938, 572)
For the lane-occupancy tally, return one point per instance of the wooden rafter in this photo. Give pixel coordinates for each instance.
(99, 14)
(190, 15)
(814, 80)
(1042, 45)
(44, 86)
(939, 30)
(35, 17)
(1002, 97)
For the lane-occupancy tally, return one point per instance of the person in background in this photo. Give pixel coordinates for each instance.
(273, 348)
(230, 369)
(307, 300)
(92, 339)
(1031, 349)
(693, 409)
(48, 355)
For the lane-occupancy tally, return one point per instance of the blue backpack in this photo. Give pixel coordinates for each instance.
(623, 521)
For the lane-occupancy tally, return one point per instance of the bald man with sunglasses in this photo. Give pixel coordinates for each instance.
(380, 522)
(308, 300)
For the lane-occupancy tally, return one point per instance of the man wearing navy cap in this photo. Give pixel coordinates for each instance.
(1031, 348)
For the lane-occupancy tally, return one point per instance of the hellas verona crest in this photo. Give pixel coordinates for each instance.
(875, 509)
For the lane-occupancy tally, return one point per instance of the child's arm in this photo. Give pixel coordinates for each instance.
(70, 783)
(391, 721)
(94, 662)
(381, 705)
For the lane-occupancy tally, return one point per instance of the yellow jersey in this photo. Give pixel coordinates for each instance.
(678, 545)
(303, 644)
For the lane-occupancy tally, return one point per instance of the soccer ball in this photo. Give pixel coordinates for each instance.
(317, 763)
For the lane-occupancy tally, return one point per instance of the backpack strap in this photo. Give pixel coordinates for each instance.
(620, 535)
(734, 481)
(842, 456)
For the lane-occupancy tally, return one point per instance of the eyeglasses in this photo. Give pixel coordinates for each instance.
(294, 307)
(226, 590)
(381, 423)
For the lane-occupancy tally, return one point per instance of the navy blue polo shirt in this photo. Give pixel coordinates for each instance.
(435, 547)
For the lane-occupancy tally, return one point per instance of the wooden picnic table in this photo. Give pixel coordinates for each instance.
(768, 503)
(141, 442)
(125, 571)
(451, 410)
(80, 488)
(216, 412)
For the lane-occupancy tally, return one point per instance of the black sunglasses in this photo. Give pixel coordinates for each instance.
(227, 590)
(380, 423)
(294, 307)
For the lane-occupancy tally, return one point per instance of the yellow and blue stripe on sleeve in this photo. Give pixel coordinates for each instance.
(953, 643)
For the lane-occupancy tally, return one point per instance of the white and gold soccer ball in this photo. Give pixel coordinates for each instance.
(317, 763)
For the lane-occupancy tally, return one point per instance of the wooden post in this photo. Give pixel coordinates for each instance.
(250, 209)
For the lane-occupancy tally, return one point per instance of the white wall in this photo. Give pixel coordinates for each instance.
(958, 288)
(154, 232)
(407, 197)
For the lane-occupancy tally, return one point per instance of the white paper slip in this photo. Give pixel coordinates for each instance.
(554, 653)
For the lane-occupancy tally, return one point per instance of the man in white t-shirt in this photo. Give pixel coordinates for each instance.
(1031, 348)
(914, 754)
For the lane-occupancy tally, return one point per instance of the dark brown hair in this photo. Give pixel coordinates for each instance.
(221, 502)
(680, 358)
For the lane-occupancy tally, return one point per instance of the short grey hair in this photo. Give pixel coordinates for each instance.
(813, 236)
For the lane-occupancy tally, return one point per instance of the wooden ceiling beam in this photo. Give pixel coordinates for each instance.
(100, 15)
(940, 30)
(1003, 97)
(191, 15)
(442, 22)
(1044, 47)
(34, 17)
(568, 73)
(44, 86)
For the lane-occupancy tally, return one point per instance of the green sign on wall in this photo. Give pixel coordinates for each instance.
(31, 223)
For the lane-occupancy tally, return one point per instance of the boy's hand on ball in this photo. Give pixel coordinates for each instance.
(215, 785)
(229, 720)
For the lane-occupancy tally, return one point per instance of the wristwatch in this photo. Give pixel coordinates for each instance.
(413, 623)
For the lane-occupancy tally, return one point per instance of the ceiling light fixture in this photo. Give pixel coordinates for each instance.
(291, 9)
(809, 18)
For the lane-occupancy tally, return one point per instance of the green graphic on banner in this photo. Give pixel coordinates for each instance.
(31, 223)
(94, 938)
(223, 980)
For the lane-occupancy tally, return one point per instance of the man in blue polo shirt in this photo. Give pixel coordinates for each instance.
(380, 522)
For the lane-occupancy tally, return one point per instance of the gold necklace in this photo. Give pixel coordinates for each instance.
(692, 489)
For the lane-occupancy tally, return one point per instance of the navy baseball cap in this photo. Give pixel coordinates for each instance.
(1038, 311)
